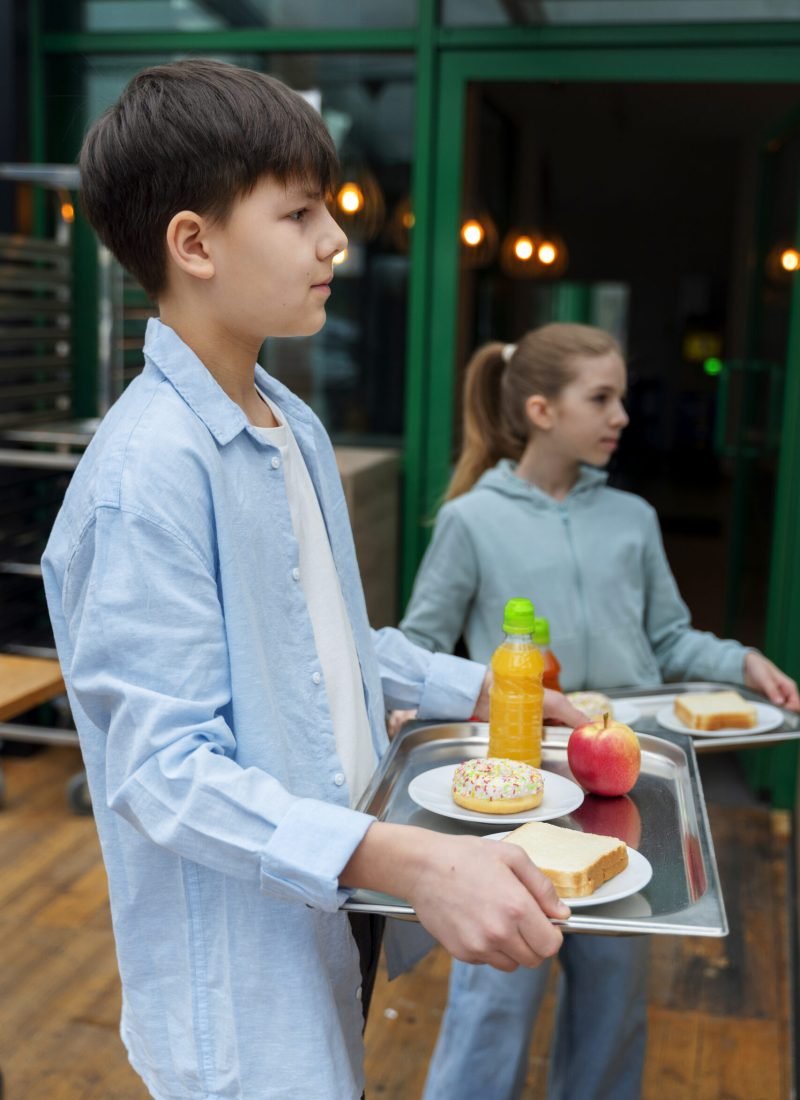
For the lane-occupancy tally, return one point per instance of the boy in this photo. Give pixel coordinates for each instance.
(204, 594)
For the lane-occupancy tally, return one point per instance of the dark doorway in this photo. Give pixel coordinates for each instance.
(671, 200)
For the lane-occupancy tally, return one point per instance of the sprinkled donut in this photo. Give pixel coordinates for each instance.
(496, 786)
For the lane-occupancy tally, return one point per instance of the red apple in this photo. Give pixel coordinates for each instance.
(604, 756)
(618, 817)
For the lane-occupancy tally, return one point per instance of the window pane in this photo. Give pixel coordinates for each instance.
(203, 15)
(352, 373)
(488, 13)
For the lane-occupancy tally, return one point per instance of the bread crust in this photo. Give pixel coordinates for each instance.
(601, 871)
(727, 717)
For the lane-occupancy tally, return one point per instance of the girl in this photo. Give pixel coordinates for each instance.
(528, 512)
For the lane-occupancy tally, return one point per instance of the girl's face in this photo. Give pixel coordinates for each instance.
(588, 416)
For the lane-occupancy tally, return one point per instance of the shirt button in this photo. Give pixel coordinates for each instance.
(316, 677)
(296, 574)
(275, 462)
(339, 779)
(358, 994)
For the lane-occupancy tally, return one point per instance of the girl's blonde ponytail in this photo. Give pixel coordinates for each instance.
(487, 437)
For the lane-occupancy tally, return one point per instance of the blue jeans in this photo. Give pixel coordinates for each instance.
(600, 1029)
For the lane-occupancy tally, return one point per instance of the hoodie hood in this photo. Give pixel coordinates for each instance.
(503, 479)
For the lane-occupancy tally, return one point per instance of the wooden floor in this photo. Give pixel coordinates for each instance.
(719, 1025)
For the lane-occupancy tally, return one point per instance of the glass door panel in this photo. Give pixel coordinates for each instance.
(353, 372)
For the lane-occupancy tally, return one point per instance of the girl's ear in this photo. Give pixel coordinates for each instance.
(539, 412)
(187, 247)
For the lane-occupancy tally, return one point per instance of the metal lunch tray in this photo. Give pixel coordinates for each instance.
(682, 898)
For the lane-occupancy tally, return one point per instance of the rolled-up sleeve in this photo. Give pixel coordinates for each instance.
(437, 685)
(149, 665)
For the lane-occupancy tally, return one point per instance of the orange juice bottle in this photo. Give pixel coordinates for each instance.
(541, 635)
(517, 692)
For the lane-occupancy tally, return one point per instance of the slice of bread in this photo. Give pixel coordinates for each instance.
(593, 703)
(576, 863)
(715, 710)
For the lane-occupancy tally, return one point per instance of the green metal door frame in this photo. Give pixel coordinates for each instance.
(610, 65)
(776, 770)
(710, 54)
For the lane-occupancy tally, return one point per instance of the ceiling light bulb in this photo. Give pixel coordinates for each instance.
(472, 233)
(340, 257)
(547, 253)
(790, 259)
(350, 198)
(523, 248)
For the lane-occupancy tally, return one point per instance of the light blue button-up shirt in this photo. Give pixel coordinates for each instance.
(197, 692)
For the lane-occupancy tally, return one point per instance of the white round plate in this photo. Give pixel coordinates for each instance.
(630, 881)
(624, 711)
(767, 718)
(432, 791)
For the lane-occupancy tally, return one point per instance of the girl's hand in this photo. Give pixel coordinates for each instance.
(764, 676)
(557, 708)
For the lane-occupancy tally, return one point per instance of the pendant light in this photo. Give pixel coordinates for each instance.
(478, 239)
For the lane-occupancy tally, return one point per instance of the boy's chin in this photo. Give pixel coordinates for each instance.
(309, 328)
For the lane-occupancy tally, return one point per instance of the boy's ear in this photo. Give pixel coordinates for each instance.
(539, 412)
(187, 245)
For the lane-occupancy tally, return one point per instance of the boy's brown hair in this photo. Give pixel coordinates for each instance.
(193, 135)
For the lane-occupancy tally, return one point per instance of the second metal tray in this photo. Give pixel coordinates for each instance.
(666, 808)
(650, 700)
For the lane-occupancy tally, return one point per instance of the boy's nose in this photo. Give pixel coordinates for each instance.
(620, 418)
(332, 240)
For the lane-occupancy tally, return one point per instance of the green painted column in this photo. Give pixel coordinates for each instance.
(572, 302)
(416, 403)
(774, 769)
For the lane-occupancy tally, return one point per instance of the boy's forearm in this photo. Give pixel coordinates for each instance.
(484, 902)
(388, 859)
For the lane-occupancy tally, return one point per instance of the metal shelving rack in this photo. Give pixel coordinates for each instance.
(41, 441)
(36, 380)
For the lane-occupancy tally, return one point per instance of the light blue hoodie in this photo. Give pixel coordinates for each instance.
(593, 564)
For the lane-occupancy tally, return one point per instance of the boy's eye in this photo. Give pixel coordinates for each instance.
(299, 215)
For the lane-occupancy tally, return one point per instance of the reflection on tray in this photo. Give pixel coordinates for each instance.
(695, 869)
(633, 908)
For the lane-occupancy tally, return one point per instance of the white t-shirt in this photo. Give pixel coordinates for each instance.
(333, 634)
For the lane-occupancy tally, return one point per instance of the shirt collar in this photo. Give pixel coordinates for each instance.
(200, 390)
